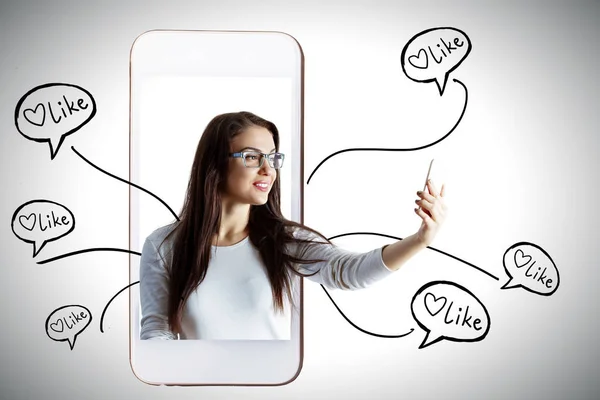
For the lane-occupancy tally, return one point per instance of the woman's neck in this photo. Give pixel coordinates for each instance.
(234, 224)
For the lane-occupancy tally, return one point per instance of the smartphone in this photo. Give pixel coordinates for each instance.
(179, 81)
(428, 175)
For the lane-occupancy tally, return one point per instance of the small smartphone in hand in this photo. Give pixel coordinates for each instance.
(428, 175)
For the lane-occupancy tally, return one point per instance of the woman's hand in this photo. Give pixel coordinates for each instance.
(432, 210)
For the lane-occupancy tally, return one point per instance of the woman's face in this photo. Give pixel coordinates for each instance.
(242, 182)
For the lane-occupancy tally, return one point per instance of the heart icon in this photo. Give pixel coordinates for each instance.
(432, 305)
(28, 224)
(521, 259)
(62, 327)
(417, 62)
(35, 117)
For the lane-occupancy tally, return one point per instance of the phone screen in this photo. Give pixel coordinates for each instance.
(174, 111)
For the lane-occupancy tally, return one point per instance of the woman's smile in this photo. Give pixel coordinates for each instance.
(263, 186)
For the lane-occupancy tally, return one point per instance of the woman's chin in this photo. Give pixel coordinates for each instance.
(259, 201)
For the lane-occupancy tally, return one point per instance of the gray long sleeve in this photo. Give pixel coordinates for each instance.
(154, 290)
(341, 269)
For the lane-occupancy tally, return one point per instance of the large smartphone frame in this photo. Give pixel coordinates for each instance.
(265, 54)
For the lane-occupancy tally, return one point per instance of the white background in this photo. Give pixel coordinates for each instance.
(521, 166)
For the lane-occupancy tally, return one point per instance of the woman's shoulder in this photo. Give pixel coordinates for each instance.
(303, 233)
(158, 236)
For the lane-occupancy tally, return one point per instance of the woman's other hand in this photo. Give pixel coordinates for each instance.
(432, 210)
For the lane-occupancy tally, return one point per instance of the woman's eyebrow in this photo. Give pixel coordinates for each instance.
(255, 149)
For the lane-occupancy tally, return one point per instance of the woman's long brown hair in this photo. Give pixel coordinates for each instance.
(200, 218)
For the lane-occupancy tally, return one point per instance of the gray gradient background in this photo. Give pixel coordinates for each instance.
(524, 162)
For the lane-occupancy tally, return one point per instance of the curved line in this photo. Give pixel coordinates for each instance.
(110, 301)
(87, 251)
(429, 247)
(127, 182)
(361, 329)
(465, 262)
(405, 149)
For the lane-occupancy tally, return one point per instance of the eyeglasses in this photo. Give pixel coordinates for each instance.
(254, 159)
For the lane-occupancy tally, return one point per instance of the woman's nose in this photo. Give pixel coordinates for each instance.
(266, 168)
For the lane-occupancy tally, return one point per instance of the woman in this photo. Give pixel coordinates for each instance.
(228, 267)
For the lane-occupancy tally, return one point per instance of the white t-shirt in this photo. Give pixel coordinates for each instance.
(234, 301)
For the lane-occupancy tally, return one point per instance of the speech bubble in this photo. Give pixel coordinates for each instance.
(432, 54)
(51, 112)
(448, 311)
(530, 267)
(42, 221)
(66, 322)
